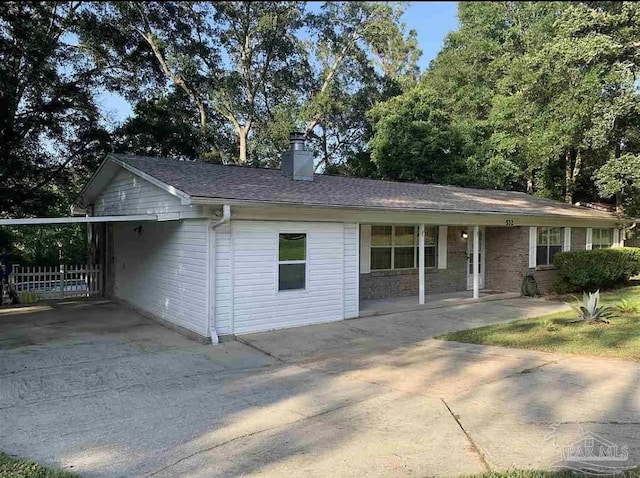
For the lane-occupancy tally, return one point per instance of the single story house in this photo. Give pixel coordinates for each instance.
(222, 250)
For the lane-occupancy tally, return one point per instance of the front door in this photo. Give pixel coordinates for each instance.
(470, 258)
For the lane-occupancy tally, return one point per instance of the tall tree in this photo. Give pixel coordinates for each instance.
(360, 54)
(233, 60)
(48, 118)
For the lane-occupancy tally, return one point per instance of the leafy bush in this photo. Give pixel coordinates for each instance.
(597, 269)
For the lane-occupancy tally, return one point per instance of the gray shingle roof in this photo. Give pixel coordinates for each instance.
(206, 180)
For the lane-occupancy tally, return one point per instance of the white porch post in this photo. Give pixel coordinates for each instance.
(476, 262)
(421, 264)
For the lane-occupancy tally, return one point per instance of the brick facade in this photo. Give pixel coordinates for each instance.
(508, 258)
(506, 264)
(578, 238)
(403, 283)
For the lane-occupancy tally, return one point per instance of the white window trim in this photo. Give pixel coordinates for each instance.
(547, 230)
(393, 247)
(306, 258)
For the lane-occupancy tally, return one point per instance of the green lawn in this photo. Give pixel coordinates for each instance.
(635, 473)
(554, 332)
(11, 467)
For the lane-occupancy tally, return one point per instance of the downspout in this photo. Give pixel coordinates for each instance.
(226, 217)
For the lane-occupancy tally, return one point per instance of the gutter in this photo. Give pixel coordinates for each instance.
(226, 217)
(200, 200)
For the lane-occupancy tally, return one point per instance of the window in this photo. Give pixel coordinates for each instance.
(550, 241)
(292, 261)
(601, 238)
(396, 247)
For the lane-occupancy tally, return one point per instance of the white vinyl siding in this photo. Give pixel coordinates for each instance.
(222, 279)
(258, 305)
(130, 194)
(163, 270)
(351, 276)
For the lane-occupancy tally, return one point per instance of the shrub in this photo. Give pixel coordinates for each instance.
(597, 269)
(627, 307)
(589, 310)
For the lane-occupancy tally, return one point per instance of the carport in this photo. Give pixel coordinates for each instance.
(96, 276)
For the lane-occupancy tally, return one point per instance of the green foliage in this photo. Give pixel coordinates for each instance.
(413, 140)
(597, 269)
(620, 177)
(590, 310)
(11, 467)
(627, 307)
(49, 122)
(537, 97)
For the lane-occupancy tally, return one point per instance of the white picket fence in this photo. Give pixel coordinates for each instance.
(56, 282)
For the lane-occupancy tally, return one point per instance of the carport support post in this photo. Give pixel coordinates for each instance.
(421, 264)
(476, 262)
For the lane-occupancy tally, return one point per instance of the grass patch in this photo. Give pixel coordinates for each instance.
(555, 333)
(635, 473)
(11, 467)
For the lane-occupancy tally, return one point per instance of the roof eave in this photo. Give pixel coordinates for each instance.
(202, 200)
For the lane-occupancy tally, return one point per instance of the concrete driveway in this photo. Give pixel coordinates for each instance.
(94, 387)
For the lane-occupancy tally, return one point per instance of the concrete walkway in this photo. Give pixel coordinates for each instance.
(95, 388)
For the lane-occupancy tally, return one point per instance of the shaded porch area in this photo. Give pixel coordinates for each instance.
(372, 307)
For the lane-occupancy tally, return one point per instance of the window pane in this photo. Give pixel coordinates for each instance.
(543, 236)
(404, 258)
(556, 236)
(405, 236)
(380, 258)
(553, 250)
(292, 247)
(291, 276)
(430, 236)
(380, 235)
(603, 237)
(429, 257)
(541, 256)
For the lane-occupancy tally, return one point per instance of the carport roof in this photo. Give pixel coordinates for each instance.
(202, 181)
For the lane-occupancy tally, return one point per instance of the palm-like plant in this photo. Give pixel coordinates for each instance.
(590, 310)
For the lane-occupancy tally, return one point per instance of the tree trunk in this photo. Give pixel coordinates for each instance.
(530, 182)
(243, 134)
(572, 168)
(569, 174)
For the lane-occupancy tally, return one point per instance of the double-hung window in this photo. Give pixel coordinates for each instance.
(292, 261)
(602, 238)
(550, 241)
(396, 247)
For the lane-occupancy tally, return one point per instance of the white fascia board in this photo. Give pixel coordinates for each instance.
(97, 176)
(281, 211)
(77, 220)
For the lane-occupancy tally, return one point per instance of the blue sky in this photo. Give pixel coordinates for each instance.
(431, 20)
